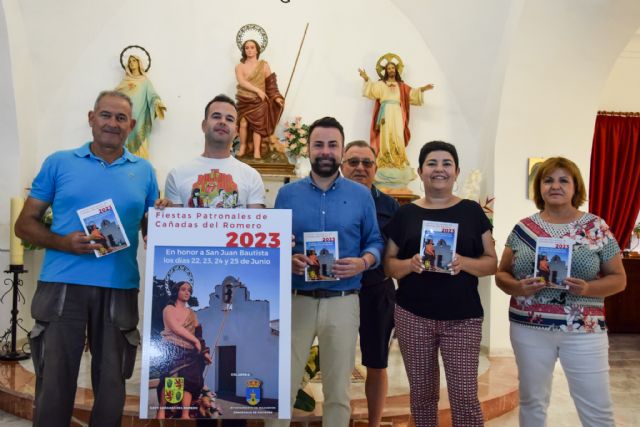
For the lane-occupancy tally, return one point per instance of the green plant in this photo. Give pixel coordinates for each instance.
(304, 401)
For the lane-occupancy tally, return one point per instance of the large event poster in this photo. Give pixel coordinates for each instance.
(217, 314)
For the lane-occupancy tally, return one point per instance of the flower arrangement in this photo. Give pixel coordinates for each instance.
(295, 138)
(487, 207)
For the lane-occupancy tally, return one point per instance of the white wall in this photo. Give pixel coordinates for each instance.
(514, 79)
(10, 170)
(561, 57)
(194, 54)
(622, 88)
(63, 54)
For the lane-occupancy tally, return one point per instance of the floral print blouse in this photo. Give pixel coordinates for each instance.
(557, 309)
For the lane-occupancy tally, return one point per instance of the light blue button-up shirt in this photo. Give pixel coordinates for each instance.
(346, 207)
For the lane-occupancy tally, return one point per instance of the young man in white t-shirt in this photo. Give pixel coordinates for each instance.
(215, 179)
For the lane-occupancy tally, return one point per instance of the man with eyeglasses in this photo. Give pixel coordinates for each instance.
(377, 295)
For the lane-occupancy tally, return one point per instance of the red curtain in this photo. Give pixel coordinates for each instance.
(614, 187)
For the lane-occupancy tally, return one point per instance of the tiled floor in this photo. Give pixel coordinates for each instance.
(8, 420)
(624, 359)
(398, 383)
(625, 386)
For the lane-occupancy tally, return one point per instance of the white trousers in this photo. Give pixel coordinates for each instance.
(335, 322)
(585, 361)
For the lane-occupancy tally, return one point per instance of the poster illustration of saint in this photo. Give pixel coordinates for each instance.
(217, 301)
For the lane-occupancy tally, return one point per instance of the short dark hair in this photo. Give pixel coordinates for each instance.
(360, 143)
(258, 50)
(438, 146)
(327, 122)
(220, 98)
(547, 168)
(115, 93)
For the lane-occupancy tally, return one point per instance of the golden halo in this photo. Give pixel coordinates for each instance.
(385, 59)
(139, 51)
(252, 32)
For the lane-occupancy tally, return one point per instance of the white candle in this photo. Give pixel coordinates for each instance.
(17, 251)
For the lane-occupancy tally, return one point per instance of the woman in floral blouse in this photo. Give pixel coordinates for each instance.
(550, 323)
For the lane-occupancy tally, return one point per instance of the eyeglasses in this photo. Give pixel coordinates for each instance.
(354, 162)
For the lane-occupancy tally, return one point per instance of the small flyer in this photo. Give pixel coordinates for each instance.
(217, 314)
(438, 245)
(553, 261)
(102, 223)
(322, 248)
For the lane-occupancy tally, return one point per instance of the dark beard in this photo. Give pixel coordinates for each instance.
(323, 171)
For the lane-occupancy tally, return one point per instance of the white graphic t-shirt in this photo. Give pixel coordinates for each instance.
(215, 183)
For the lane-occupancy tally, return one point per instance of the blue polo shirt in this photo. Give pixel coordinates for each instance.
(346, 207)
(73, 179)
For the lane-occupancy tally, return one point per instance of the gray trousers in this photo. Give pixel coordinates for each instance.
(65, 316)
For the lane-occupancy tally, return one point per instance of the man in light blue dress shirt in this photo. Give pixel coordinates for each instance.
(329, 310)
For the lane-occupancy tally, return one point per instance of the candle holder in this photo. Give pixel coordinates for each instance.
(8, 339)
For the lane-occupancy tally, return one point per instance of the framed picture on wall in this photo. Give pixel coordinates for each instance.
(534, 164)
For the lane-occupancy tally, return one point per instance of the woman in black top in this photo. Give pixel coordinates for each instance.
(437, 311)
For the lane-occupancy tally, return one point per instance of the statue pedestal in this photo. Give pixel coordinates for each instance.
(402, 195)
(273, 160)
(270, 166)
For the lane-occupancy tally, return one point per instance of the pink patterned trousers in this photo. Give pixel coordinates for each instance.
(459, 344)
